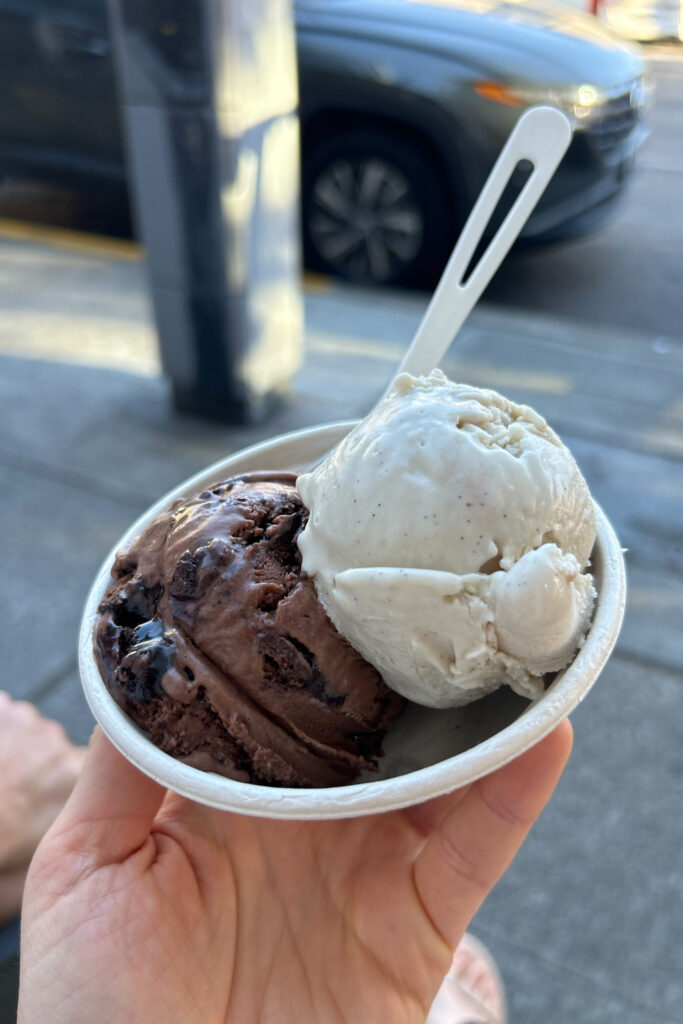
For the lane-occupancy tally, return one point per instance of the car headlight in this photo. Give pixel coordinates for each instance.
(580, 103)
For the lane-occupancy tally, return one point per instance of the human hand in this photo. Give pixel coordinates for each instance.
(142, 906)
(38, 770)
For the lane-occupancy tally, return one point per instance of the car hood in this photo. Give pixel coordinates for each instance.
(521, 42)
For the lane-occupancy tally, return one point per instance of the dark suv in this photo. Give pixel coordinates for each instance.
(404, 107)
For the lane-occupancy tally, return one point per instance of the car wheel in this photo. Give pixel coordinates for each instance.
(375, 209)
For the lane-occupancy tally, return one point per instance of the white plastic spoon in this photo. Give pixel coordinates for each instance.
(541, 136)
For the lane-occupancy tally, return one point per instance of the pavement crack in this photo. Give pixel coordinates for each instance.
(75, 480)
(54, 679)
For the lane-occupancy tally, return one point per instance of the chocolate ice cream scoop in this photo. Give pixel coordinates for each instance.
(214, 642)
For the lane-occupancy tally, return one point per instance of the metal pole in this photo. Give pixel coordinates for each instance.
(209, 95)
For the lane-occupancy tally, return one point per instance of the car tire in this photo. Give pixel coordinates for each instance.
(375, 209)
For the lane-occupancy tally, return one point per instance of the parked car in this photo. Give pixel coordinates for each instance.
(404, 107)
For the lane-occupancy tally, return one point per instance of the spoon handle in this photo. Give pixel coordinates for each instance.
(541, 136)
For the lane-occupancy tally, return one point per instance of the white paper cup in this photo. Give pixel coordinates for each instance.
(428, 752)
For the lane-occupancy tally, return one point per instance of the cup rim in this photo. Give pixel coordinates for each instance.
(366, 797)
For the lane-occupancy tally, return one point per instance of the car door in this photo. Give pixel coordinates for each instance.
(59, 112)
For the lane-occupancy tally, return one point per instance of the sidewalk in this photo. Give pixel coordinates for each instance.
(588, 925)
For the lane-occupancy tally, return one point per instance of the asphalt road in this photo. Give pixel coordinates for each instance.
(629, 273)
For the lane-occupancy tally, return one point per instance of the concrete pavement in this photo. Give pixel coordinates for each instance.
(588, 924)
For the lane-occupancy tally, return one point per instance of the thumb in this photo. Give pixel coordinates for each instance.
(474, 844)
(110, 812)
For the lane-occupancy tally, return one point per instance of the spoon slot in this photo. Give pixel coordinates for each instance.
(541, 137)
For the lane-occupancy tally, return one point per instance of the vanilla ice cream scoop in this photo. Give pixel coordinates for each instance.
(448, 538)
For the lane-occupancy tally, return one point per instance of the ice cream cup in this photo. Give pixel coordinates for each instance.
(427, 752)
